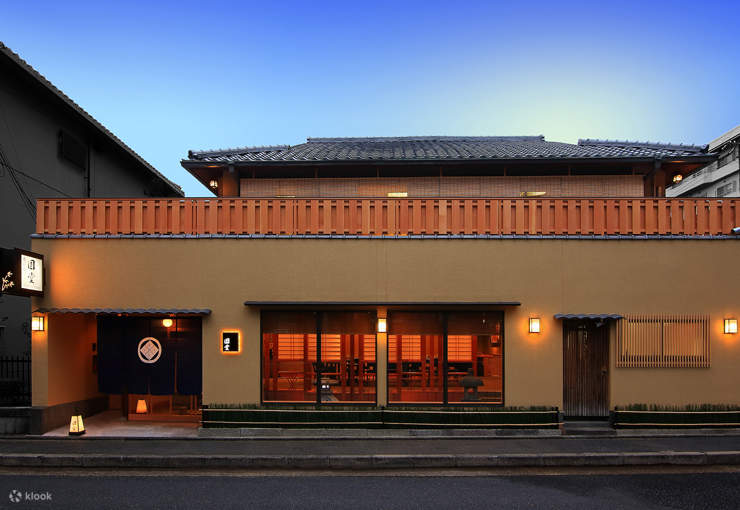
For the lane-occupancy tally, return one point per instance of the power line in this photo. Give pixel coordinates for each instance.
(4, 163)
(25, 199)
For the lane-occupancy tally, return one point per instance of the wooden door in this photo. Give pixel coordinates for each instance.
(585, 368)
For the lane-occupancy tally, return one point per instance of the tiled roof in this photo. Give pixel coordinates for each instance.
(594, 316)
(25, 66)
(443, 148)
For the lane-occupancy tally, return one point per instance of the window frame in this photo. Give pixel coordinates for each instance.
(445, 362)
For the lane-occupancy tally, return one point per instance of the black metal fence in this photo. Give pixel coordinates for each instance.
(15, 380)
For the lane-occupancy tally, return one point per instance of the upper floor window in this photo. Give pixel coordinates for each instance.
(72, 150)
(726, 189)
(727, 157)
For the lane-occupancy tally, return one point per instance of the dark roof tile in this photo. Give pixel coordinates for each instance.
(443, 148)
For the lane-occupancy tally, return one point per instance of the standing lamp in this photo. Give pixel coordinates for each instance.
(76, 427)
(141, 406)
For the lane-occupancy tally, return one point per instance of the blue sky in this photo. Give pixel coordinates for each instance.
(171, 76)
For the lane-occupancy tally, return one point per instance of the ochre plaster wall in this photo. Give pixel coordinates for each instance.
(547, 276)
(62, 360)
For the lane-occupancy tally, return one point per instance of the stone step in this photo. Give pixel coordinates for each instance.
(591, 428)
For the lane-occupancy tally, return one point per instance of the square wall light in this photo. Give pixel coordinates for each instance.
(730, 326)
(37, 323)
(382, 325)
(534, 324)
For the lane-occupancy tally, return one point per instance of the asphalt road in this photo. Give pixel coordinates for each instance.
(614, 491)
(205, 447)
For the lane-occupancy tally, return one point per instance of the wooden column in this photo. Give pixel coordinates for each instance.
(229, 185)
(381, 363)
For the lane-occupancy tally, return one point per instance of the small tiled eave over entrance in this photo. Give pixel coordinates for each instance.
(629, 218)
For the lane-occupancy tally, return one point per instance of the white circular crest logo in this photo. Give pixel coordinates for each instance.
(149, 350)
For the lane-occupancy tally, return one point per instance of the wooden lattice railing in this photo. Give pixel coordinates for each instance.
(388, 217)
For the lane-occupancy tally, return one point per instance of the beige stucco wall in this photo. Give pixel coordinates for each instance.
(62, 357)
(547, 276)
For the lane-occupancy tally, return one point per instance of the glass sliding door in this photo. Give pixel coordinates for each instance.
(434, 356)
(329, 354)
(348, 357)
(474, 350)
(415, 357)
(288, 357)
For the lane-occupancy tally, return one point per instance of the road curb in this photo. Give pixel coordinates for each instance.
(372, 462)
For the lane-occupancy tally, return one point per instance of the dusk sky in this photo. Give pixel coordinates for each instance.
(171, 76)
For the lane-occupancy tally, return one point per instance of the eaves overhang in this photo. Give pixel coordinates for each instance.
(193, 163)
(418, 305)
(588, 316)
(128, 311)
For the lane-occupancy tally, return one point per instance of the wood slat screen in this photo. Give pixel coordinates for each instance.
(388, 217)
(663, 340)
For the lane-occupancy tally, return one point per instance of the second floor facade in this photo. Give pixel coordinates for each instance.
(445, 167)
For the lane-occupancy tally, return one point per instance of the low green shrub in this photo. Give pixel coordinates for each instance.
(675, 408)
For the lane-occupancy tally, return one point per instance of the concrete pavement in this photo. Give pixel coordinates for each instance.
(370, 453)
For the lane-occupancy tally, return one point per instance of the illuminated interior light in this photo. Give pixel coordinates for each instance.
(141, 407)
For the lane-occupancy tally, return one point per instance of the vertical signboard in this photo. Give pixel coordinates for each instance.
(21, 273)
(230, 342)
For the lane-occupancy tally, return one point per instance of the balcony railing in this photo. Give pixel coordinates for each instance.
(388, 217)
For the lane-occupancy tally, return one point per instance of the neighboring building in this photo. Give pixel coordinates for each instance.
(446, 166)
(383, 271)
(721, 178)
(50, 147)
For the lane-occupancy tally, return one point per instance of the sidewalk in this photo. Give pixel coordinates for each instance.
(321, 452)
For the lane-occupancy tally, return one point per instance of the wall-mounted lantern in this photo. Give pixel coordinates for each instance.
(730, 326)
(213, 184)
(382, 325)
(677, 178)
(167, 323)
(37, 323)
(534, 324)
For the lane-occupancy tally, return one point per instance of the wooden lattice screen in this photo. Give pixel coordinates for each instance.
(663, 340)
